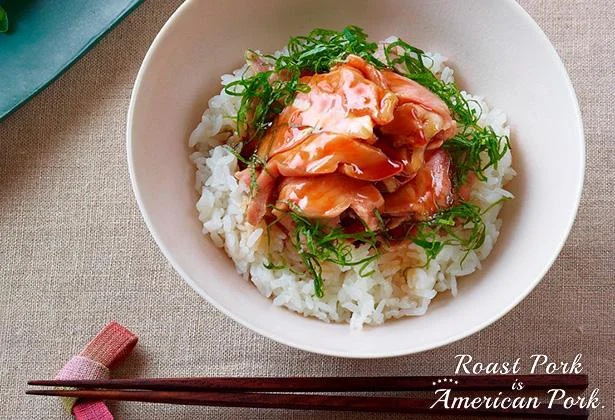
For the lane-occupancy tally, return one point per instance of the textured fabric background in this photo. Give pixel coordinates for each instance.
(74, 252)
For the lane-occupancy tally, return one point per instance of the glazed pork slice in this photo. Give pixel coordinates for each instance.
(343, 101)
(328, 196)
(429, 191)
(421, 121)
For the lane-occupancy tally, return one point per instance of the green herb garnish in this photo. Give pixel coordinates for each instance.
(316, 243)
(4, 20)
(322, 48)
(254, 162)
(263, 96)
(444, 224)
(466, 151)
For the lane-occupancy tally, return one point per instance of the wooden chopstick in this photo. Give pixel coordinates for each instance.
(311, 402)
(332, 384)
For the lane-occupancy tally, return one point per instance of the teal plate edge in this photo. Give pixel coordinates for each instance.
(86, 47)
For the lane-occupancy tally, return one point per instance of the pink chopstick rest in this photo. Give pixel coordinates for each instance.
(112, 344)
(82, 367)
(92, 410)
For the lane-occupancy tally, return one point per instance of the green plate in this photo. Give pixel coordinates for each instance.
(45, 37)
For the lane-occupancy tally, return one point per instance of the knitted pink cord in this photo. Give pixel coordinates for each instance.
(112, 344)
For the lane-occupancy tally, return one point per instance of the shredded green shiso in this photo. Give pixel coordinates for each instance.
(265, 94)
(316, 243)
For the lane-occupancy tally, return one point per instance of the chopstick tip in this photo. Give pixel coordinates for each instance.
(41, 382)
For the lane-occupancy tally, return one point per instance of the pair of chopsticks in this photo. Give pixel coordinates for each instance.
(298, 393)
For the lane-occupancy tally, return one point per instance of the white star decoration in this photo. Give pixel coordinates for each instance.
(449, 380)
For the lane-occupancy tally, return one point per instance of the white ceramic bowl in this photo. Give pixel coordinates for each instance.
(497, 50)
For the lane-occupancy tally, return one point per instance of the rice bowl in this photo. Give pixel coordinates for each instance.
(166, 107)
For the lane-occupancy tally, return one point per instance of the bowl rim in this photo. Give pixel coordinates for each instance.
(314, 348)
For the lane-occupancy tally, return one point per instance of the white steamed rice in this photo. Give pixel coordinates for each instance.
(392, 291)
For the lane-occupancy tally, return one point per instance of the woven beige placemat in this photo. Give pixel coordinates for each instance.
(75, 253)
